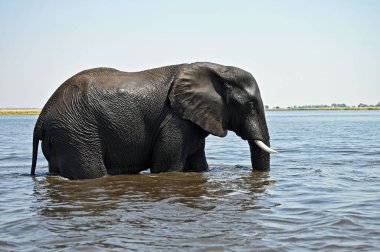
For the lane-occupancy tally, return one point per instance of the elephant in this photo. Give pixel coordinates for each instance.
(103, 121)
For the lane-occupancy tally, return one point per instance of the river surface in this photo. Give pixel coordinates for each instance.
(322, 193)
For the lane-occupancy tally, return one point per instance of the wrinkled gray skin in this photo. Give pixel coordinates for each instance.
(104, 121)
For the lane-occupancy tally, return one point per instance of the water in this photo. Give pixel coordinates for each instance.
(323, 193)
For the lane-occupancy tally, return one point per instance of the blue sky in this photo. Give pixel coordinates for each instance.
(300, 52)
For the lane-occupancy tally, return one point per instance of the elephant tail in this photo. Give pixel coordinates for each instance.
(37, 135)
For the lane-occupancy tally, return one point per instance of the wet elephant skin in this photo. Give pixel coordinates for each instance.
(105, 121)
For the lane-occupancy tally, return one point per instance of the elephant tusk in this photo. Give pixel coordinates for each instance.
(264, 147)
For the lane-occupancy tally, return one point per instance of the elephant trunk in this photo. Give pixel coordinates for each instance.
(260, 158)
(258, 139)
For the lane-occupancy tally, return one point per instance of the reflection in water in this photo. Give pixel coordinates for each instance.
(193, 190)
(139, 205)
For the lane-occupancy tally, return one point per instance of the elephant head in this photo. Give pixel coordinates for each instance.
(219, 98)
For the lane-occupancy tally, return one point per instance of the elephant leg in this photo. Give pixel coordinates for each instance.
(180, 146)
(75, 159)
(167, 158)
(170, 151)
(197, 162)
(83, 165)
(47, 151)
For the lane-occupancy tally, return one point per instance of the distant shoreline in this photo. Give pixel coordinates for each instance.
(326, 108)
(5, 112)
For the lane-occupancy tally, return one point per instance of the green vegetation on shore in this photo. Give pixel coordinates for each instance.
(323, 108)
(20, 111)
(334, 106)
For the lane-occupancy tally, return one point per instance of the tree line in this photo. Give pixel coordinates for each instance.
(333, 105)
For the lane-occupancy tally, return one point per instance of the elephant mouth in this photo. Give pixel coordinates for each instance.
(264, 147)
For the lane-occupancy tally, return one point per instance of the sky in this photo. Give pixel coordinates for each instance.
(300, 52)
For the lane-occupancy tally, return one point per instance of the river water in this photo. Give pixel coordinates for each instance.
(322, 193)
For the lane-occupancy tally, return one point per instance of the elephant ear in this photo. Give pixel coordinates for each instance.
(197, 95)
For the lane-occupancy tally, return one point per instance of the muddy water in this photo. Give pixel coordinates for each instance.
(323, 193)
